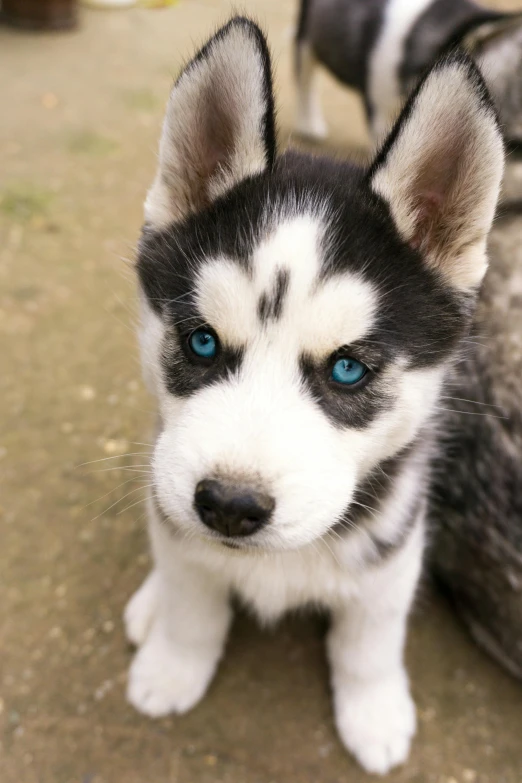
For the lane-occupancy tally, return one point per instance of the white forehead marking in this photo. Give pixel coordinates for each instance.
(226, 299)
(294, 245)
(317, 316)
(339, 313)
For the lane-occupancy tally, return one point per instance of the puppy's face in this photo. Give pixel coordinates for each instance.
(299, 315)
(285, 366)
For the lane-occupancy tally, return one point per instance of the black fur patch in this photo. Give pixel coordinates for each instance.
(476, 512)
(373, 493)
(270, 306)
(356, 406)
(184, 375)
(385, 549)
(342, 33)
(514, 150)
(300, 32)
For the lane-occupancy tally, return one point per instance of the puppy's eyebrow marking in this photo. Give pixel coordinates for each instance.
(270, 305)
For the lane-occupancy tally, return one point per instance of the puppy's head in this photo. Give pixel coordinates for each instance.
(300, 315)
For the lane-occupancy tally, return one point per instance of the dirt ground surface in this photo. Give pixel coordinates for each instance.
(79, 122)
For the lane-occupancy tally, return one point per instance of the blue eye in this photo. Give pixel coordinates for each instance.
(348, 371)
(203, 344)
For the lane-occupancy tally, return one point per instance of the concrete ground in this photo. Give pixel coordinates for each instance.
(79, 121)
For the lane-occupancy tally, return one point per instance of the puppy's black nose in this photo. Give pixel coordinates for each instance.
(230, 509)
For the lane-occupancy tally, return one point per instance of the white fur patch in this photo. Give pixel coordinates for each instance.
(383, 83)
(310, 121)
(150, 335)
(228, 295)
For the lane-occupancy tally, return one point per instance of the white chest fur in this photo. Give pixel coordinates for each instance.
(327, 572)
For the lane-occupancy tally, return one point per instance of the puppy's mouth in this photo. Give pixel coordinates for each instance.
(230, 544)
(239, 545)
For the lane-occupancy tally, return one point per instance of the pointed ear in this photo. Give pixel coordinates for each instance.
(440, 170)
(219, 124)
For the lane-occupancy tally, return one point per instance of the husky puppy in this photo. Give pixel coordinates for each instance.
(382, 47)
(300, 317)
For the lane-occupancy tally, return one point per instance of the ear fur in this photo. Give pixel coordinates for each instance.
(219, 125)
(441, 168)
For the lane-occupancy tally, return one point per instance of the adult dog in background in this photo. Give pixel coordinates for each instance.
(382, 47)
(300, 318)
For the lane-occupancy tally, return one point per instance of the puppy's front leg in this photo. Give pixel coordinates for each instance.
(374, 711)
(177, 661)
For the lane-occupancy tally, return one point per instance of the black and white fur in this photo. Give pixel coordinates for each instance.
(476, 506)
(382, 47)
(293, 260)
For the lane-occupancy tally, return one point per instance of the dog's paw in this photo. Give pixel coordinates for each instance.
(140, 610)
(376, 723)
(163, 679)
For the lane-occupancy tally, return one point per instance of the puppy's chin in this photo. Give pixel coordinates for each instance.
(234, 546)
(266, 543)
(240, 547)
(217, 543)
(230, 545)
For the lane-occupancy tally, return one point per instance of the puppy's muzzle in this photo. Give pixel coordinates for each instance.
(231, 509)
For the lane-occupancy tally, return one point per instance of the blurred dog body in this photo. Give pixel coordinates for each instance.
(477, 492)
(382, 47)
(300, 318)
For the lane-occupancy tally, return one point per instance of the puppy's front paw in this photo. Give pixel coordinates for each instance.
(140, 610)
(165, 679)
(376, 722)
